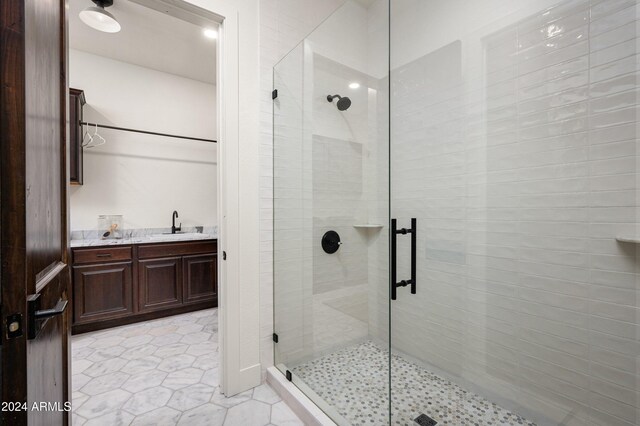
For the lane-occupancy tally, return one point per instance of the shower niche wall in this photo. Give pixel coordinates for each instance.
(509, 132)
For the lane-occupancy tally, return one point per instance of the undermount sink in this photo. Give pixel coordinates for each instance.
(176, 236)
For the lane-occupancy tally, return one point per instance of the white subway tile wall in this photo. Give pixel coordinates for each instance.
(516, 147)
(324, 179)
(283, 25)
(514, 142)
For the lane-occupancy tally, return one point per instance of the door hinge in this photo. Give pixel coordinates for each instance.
(275, 338)
(274, 94)
(289, 376)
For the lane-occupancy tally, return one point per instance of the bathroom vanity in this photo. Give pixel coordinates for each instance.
(141, 279)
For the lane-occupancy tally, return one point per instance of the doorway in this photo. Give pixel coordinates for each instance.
(143, 213)
(45, 29)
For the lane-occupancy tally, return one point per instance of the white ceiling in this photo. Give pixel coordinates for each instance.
(148, 38)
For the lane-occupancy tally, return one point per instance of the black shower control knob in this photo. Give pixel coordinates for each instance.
(331, 242)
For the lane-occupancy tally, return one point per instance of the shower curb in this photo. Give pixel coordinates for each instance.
(299, 403)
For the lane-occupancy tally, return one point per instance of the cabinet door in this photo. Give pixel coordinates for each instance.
(200, 278)
(159, 283)
(102, 291)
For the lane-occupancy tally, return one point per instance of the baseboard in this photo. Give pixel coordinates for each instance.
(141, 317)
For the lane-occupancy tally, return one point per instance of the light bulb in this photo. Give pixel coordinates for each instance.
(210, 33)
(99, 19)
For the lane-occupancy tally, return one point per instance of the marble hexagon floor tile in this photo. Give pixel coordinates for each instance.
(163, 372)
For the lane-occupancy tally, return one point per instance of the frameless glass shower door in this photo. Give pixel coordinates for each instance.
(331, 214)
(514, 145)
(456, 213)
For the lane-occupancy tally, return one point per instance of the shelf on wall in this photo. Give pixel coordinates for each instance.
(369, 226)
(628, 239)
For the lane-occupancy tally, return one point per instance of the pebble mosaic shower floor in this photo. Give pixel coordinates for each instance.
(354, 381)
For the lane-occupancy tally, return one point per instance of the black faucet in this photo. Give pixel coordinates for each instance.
(173, 223)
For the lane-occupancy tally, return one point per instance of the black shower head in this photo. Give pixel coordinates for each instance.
(343, 103)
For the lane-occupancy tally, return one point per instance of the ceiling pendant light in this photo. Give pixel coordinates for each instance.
(98, 18)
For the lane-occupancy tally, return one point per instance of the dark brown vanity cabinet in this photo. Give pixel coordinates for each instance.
(76, 103)
(197, 272)
(116, 285)
(159, 283)
(102, 291)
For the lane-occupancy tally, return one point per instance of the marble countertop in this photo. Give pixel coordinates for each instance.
(141, 240)
(142, 236)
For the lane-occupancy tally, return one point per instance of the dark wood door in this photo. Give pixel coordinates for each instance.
(159, 283)
(199, 277)
(34, 275)
(102, 291)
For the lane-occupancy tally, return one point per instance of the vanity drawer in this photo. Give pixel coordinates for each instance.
(147, 251)
(105, 254)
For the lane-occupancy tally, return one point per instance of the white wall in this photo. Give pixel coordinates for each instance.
(145, 177)
(348, 29)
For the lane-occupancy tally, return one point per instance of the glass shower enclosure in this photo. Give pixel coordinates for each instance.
(456, 213)
(331, 204)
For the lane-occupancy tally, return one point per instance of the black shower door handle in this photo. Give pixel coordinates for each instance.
(394, 279)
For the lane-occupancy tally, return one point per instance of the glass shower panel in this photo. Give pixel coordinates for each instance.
(514, 145)
(331, 213)
(292, 254)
